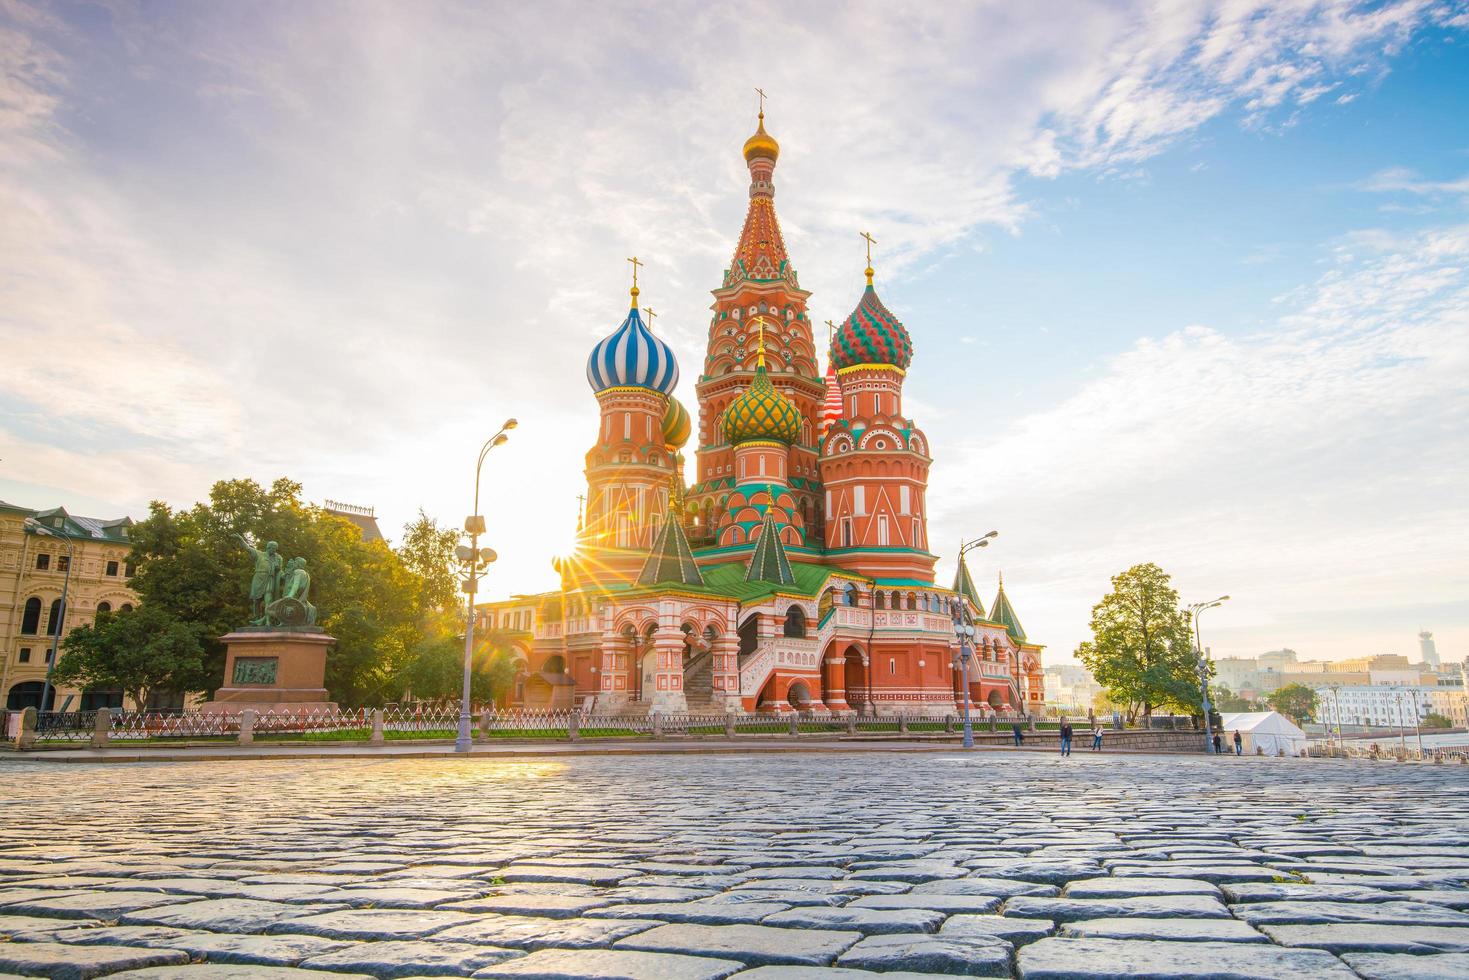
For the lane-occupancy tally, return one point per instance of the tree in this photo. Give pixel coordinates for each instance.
(142, 652)
(1296, 701)
(190, 566)
(1141, 649)
(428, 552)
(437, 670)
(1226, 700)
(1435, 720)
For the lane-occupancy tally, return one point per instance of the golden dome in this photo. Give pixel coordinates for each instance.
(762, 144)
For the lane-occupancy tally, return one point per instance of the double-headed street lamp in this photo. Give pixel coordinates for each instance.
(1203, 668)
(46, 690)
(964, 631)
(474, 559)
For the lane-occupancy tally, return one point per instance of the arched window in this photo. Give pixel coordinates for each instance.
(125, 607)
(795, 624)
(849, 595)
(880, 601)
(31, 620)
(53, 618)
(912, 602)
(102, 607)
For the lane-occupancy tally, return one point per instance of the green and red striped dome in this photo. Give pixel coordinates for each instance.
(871, 335)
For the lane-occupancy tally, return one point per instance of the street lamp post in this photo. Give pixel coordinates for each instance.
(1336, 716)
(964, 632)
(46, 690)
(474, 558)
(1417, 723)
(1195, 611)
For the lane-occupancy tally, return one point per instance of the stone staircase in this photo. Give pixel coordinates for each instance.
(698, 684)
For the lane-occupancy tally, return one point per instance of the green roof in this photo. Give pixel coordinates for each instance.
(1003, 613)
(768, 562)
(964, 585)
(671, 560)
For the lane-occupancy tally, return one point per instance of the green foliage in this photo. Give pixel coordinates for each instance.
(1296, 701)
(142, 651)
(1141, 649)
(436, 671)
(1435, 720)
(428, 552)
(190, 567)
(1226, 700)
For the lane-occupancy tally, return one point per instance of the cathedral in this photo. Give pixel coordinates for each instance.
(789, 569)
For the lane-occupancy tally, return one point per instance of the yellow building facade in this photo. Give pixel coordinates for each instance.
(41, 553)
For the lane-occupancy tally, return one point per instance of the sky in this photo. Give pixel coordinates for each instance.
(1188, 281)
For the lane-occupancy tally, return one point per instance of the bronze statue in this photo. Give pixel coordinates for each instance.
(293, 608)
(265, 582)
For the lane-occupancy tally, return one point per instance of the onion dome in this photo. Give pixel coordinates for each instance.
(677, 426)
(871, 335)
(632, 357)
(761, 412)
(762, 144)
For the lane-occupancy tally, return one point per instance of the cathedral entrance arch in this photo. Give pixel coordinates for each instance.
(799, 696)
(858, 680)
(995, 700)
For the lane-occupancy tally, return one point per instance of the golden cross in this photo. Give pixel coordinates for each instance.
(762, 102)
(635, 264)
(760, 360)
(831, 329)
(651, 314)
(870, 242)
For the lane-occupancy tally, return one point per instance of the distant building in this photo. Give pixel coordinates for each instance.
(1373, 704)
(1070, 687)
(1452, 703)
(1426, 648)
(37, 550)
(363, 517)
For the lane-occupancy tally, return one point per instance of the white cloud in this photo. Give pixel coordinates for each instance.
(1315, 466)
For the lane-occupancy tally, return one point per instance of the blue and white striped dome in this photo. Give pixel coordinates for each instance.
(632, 356)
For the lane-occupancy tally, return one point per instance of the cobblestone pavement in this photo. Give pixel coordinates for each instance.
(763, 867)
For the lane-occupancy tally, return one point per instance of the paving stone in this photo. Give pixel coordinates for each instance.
(1145, 906)
(1017, 932)
(222, 915)
(60, 961)
(794, 871)
(374, 924)
(1047, 872)
(154, 936)
(1295, 891)
(612, 964)
(1375, 913)
(412, 957)
(250, 950)
(1405, 966)
(532, 932)
(550, 906)
(394, 898)
(91, 904)
(705, 911)
(914, 871)
(1185, 930)
(11, 925)
(235, 971)
(869, 922)
(948, 904)
(755, 945)
(1218, 874)
(966, 955)
(998, 887)
(663, 893)
(576, 876)
(779, 896)
(1348, 937)
(1110, 887)
(826, 973)
(1120, 959)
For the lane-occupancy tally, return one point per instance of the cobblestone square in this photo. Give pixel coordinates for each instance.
(766, 865)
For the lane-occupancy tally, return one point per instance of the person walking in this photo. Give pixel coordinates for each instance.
(1096, 736)
(1239, 743)
(1218, 744)
(1018, 732)
(1065, 737)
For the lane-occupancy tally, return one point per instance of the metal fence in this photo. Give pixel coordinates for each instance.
(438, 722)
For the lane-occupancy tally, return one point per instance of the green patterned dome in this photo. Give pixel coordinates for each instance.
(761, 412)
(871, 335)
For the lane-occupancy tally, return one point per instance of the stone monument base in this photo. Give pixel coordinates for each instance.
(274, 670)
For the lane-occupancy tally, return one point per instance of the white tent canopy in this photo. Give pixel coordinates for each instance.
(1269, 731)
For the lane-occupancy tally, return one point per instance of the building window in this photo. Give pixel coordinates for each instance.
(103, 607)
(126, 607)
(49, 654)
(63, 563)
(53, 620)
(892, 666)
(31, 620)
(129, 569)
(43, 562)
(882, 529)
(846, 532)
(25, 655)
(112, 569)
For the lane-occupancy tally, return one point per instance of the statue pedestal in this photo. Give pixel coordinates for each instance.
(274, 670)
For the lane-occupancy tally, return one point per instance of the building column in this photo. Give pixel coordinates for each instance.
(668, 696)
(834, 684)
(724, 668)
